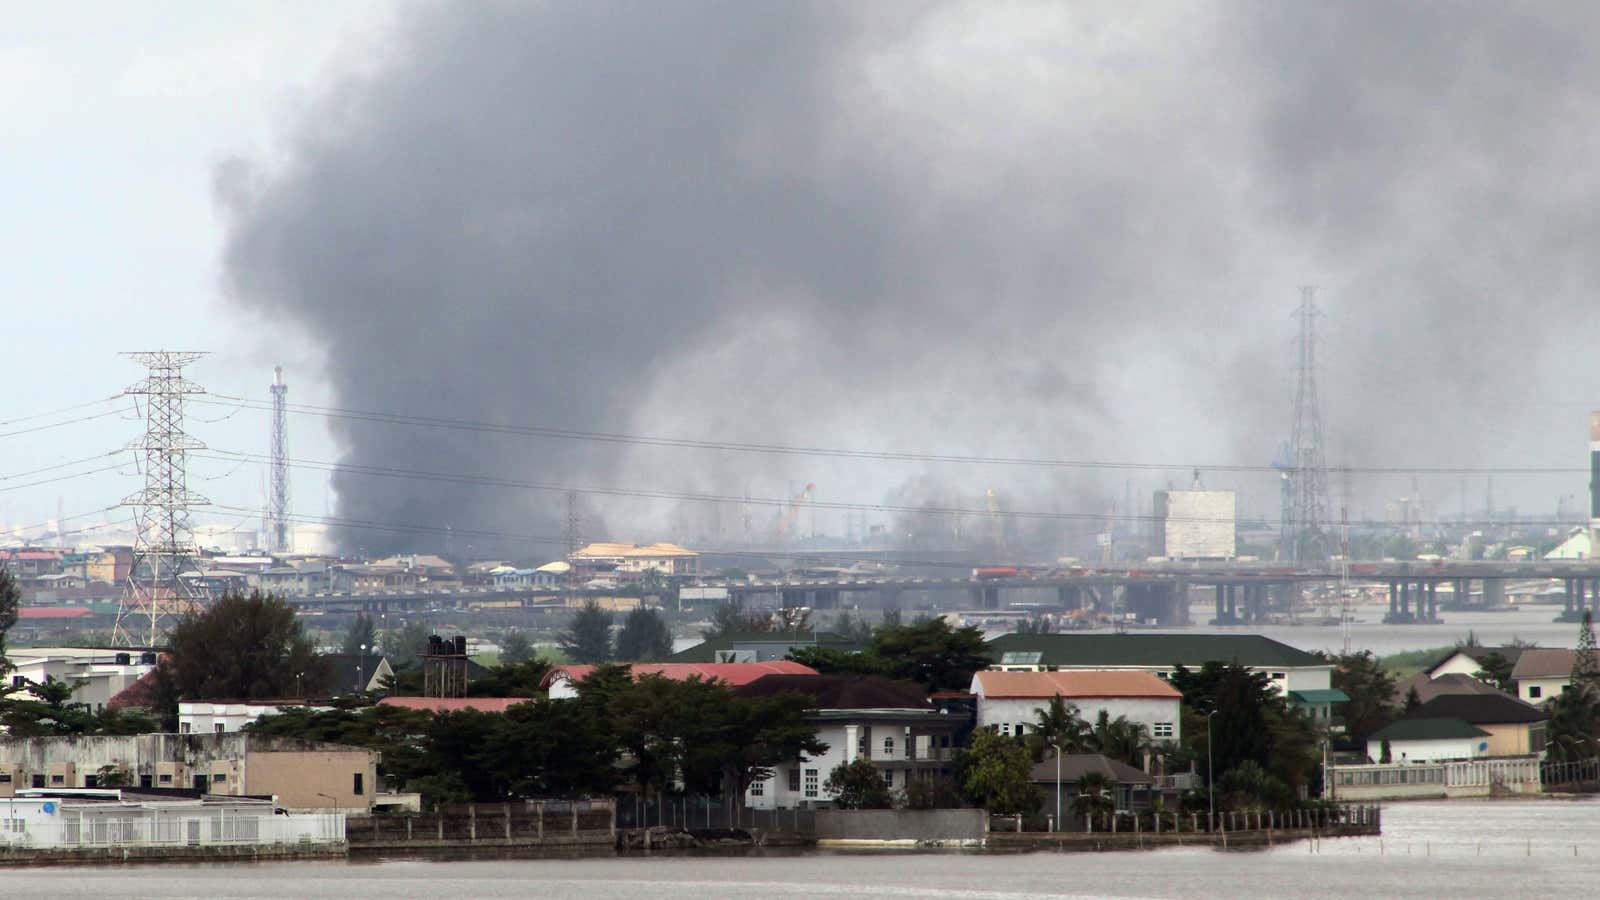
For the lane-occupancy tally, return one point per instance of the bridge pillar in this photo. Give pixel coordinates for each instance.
(1566, 601)
(792, 598)
(1220, 608)
(889, 597)
(825, 599)
(1433, 601)
(1494, 592)
(1595, 586)
(1394, 600)
(991, 597)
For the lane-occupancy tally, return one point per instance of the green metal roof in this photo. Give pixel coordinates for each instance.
(1319, 695)
(1154, 649)
(1426, 730)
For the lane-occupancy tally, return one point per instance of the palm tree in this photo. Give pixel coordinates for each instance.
(1094, 795)
(1121, 739)
(1059, 725)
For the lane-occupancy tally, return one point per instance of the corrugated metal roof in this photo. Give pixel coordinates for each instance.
(1041, 685)
(607, 549)
(734, 674)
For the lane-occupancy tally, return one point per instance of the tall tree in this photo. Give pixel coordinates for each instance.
(1121, 739)
(588, 638)
(1370, 688)
(244, 647)
(997, 774)
(644, 637)
(1058, 724)
(403, 646)
(1495, 669)
(10, 602)
(515, 647)
(1585, 665)
(361, 633)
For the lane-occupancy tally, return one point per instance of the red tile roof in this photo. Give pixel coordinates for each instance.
(1077, 683)
(734, 674)
(454, 704)
(54, 612)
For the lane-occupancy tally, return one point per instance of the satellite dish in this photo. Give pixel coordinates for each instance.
(1482, 746)
(48, 807)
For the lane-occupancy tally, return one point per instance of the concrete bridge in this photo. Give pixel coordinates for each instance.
(1151, 591)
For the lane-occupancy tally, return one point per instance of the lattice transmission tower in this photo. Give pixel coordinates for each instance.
(164, 547)
(278, 515)
(1308, 467)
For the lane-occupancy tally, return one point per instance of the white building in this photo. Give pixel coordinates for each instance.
(667, 559)
(1542, 673)
(95, 819)
(1428, 740)
(1195, 524)
(227, 716)
(891, 723)
(98, 674)
(1009, 702)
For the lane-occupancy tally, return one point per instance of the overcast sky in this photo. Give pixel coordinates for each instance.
(1060, 230)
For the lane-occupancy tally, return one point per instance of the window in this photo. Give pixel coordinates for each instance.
(1021, 728)
(811, 782)
(758, 788)
(794, 779)
(5, 777)
(356, 786)
(1005, 728)
(217, 728)
(58, 779)
(19, 681)
(166, 779)
(1279, 676)
(90, 781)
(183, 727)
(1161, 730)
(38, 781)
(220, 778)
(1535, 692)
(888, 777)
(888, 746)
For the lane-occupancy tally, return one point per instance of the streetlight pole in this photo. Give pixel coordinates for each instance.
(1211, 779)
(1058, 785)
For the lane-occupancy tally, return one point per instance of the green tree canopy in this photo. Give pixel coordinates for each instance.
(929, 652)
(243, 647)
(996, 774)
(10, 604)
(587, 639)
(1495, 669)
(403, 645)
(515, 647)
(1058, 724)
(859, 785)
(361, 633)
(1370, 688)
(644, 637)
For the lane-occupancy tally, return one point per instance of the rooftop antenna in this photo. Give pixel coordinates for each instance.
(278, 510)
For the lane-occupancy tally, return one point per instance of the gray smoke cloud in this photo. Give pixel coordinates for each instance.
(1003, 230)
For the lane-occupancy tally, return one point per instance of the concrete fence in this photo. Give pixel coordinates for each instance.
(929, 825)
(528, 824)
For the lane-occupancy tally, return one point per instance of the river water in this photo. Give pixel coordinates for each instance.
(1537, 848)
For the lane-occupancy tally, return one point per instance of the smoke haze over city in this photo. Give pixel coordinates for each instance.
(1074, 232)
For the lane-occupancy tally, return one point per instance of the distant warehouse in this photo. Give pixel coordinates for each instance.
(1195, 524)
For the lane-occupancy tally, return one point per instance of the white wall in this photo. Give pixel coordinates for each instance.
(1425, 751)
(842, 740)
(1457, 664)
(1007, 714)
(97, 682)
(1548, 688)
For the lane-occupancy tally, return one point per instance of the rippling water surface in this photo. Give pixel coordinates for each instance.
(1548, 848)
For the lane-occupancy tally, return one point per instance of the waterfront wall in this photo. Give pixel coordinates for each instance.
(539, 823)
(1421, 781)
(929, 825)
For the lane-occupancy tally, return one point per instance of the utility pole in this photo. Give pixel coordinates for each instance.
(279, 513)
(1310, 487)
(163, 536)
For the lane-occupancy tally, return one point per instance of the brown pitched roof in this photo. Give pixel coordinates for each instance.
(1077, 683)
(1539, 663)
(1429, 688)
(1075, 765)
(1480, 709)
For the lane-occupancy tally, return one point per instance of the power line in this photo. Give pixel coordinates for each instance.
(57, 412)
(331, 412)
(64, 465)
(38, 428)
